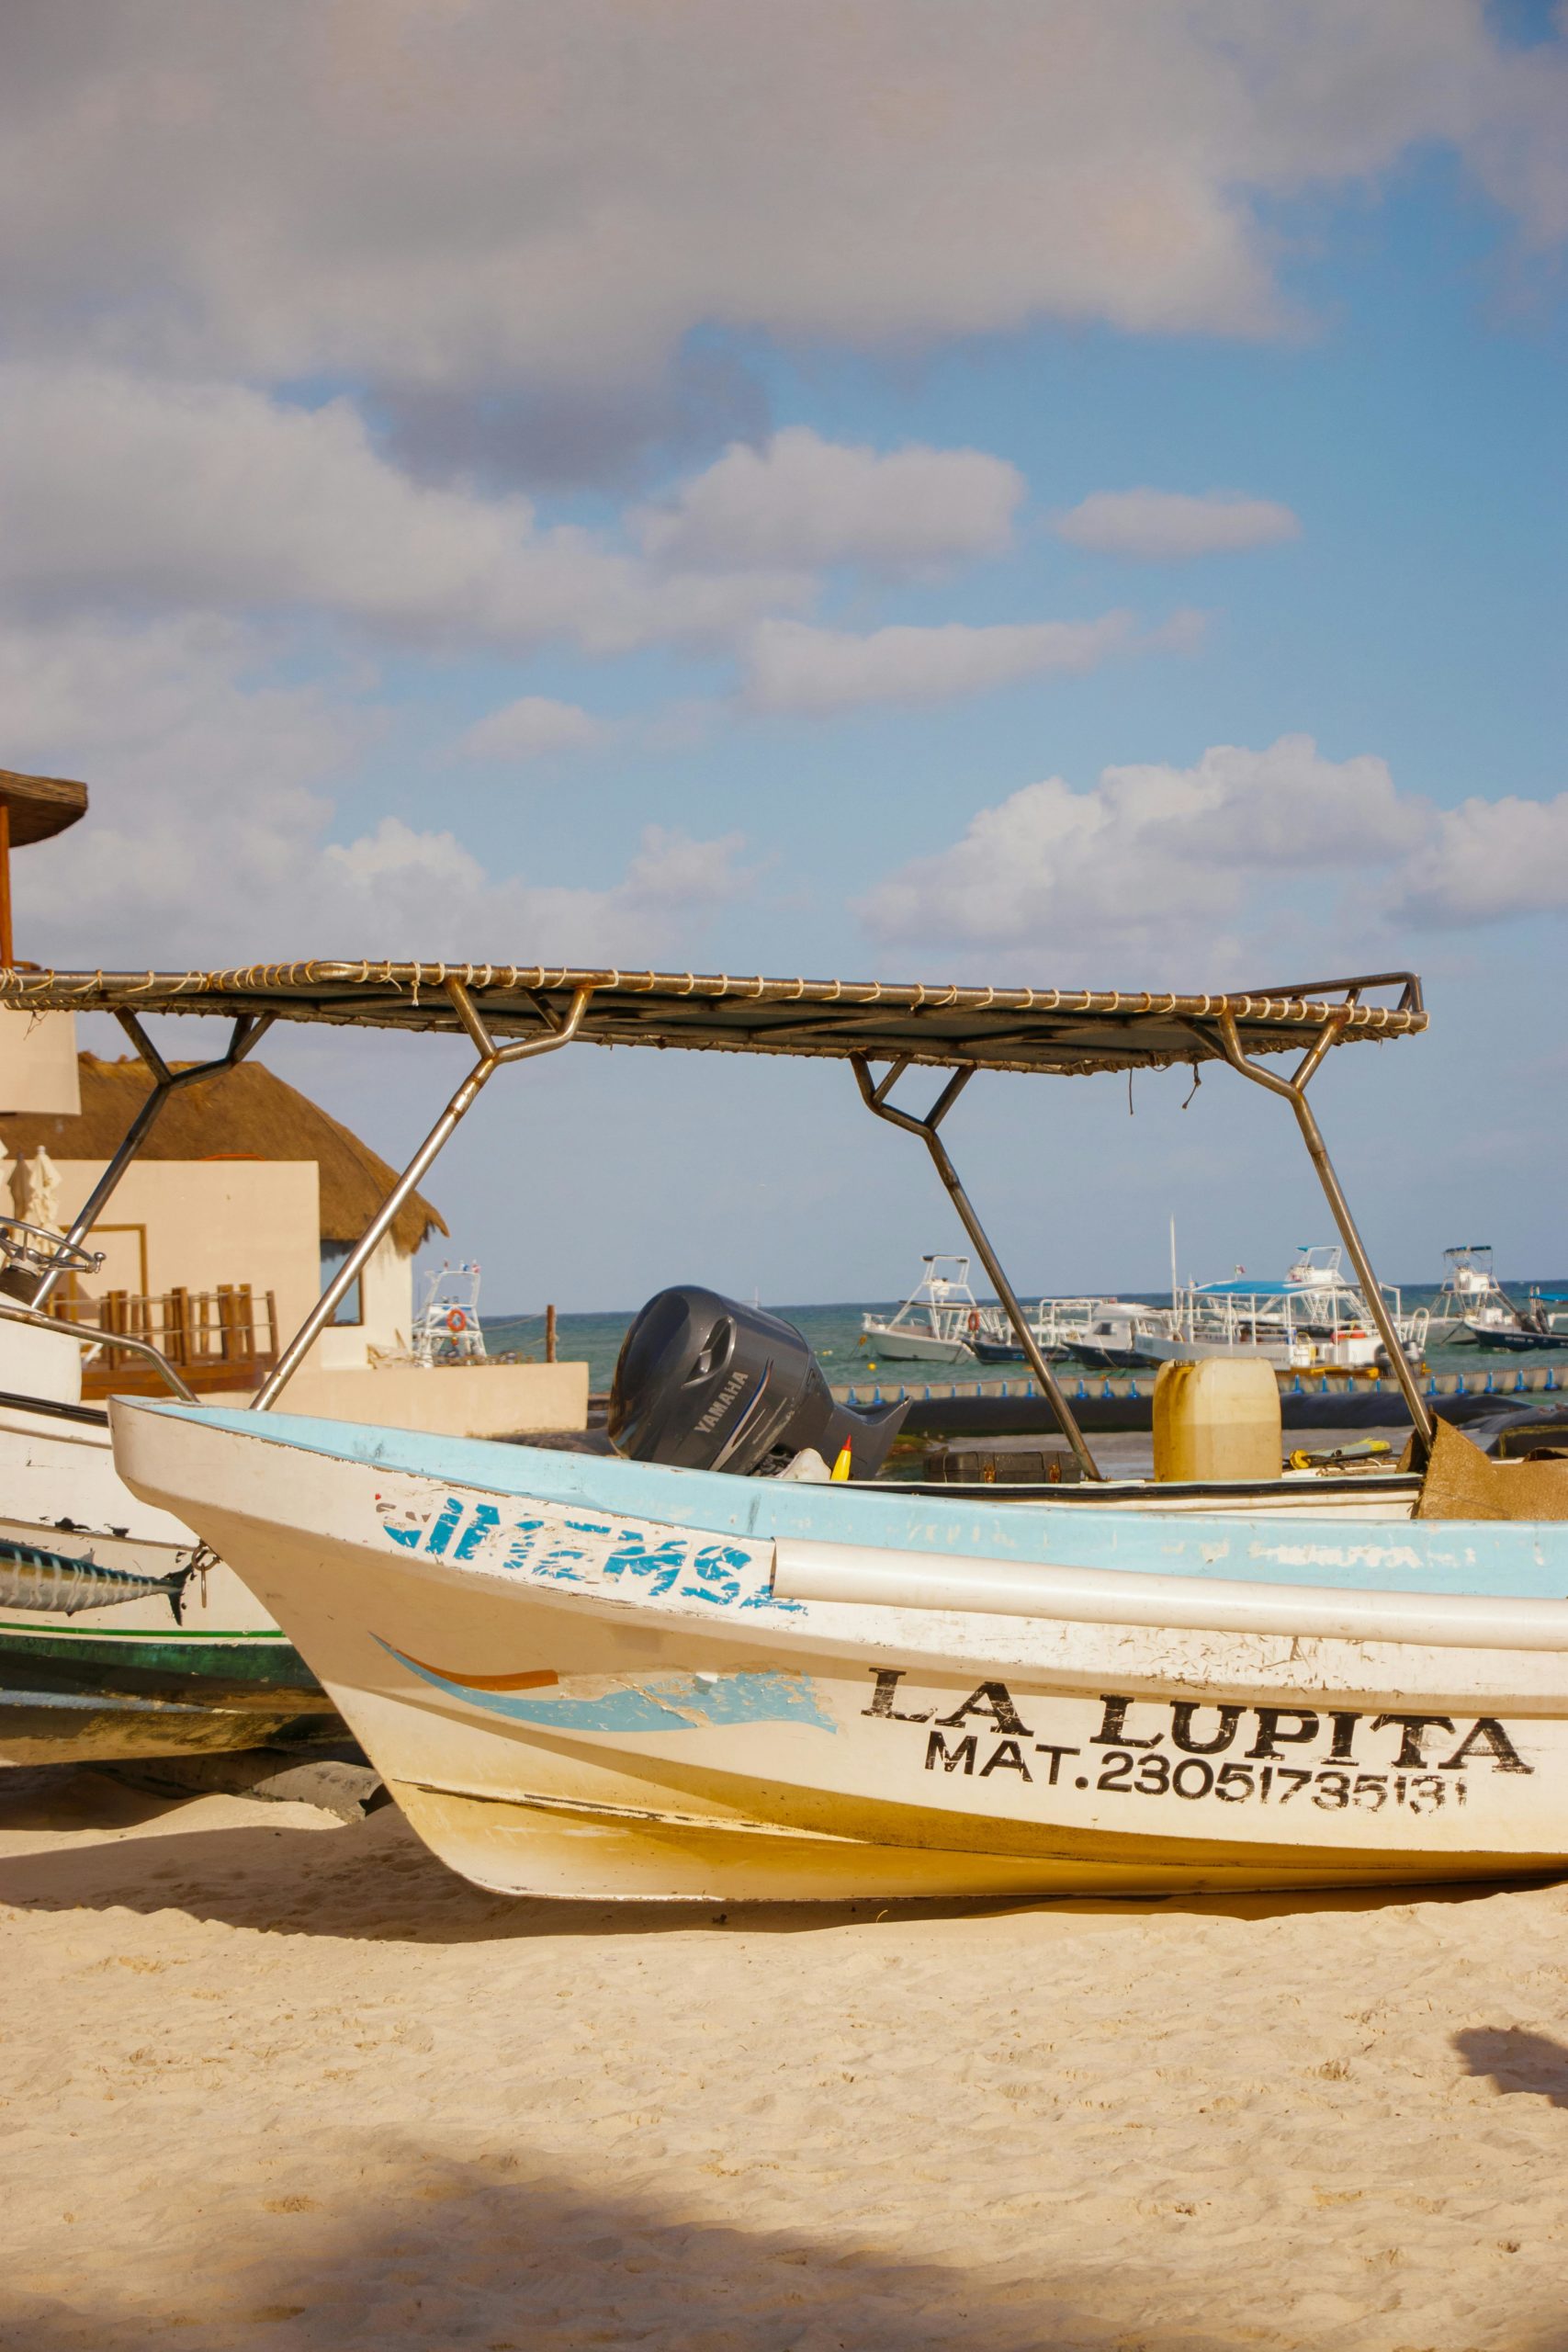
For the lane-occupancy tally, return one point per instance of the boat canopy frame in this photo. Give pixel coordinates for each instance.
(512, 1013)
(1064, 1030)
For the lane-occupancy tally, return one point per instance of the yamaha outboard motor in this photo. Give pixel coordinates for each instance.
(706, 1383)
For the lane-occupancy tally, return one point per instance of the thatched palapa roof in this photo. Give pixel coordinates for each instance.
(248, 1113)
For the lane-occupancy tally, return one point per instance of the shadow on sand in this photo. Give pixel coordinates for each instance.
(373, 1881)
(1517, 2060)
(437, 2253)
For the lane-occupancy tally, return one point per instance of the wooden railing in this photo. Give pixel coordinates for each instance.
(225, 1338)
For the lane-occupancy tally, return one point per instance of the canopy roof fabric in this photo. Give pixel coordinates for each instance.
(1063, 1030)
(1247, 1288)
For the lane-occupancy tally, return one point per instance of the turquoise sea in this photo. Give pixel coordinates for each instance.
(833, 1331)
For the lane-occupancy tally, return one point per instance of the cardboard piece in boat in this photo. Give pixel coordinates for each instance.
(1464, 1483)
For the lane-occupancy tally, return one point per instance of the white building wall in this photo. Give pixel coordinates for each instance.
(38, 1064)
(386, 1297)
(197, 1223)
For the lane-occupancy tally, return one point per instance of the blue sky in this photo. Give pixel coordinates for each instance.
(1078, 497)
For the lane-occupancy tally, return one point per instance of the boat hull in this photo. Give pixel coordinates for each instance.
(1516, 1342)
(1135, 1357)
(129, 1679)
(74, 1698)
(1156, 1350)
(577, 1678)
(916, 1347)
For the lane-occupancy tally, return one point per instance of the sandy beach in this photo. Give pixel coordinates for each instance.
(270, 2078)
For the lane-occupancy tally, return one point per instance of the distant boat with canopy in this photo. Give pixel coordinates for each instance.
(1474, 1306)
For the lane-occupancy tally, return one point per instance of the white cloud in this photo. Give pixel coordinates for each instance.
(1285, 807)
(1489, 859)
(672, 870)
(117, 493)
(535, 728)
(429, 893)
(538, 727)
(208, 837)
(1154, 869)
(1163, 525)
(396, 861)
(465, 196)
(801, 502)
(123, 495)
(206, 780)
(791, 665)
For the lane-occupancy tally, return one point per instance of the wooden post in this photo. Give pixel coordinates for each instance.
(7, 947)
(549, 1335)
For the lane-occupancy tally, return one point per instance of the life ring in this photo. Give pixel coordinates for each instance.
(974, 1318)
(456, 1321)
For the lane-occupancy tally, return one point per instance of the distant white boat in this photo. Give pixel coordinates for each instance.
(1472, 1305)
(1110, 1334)
(937, 1322)
(1315, 1320)
(447, 1327)
(1471, 1299)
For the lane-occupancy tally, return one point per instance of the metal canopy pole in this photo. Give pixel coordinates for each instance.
(875, 1094)
(249, 1028)
(491, 1058)
(1294, 1092)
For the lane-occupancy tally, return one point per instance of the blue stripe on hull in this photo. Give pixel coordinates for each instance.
(662, 1703)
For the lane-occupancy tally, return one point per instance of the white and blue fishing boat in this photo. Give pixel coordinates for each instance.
(119, 1637)
(698, 1667)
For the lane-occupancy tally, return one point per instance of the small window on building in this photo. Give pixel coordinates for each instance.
(350, 1307)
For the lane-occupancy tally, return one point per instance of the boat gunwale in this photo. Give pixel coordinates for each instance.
(1141, 1545)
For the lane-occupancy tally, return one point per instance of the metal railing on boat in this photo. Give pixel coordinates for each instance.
(12, 1311)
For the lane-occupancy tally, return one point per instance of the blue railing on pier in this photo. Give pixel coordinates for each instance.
(1322, 1384)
